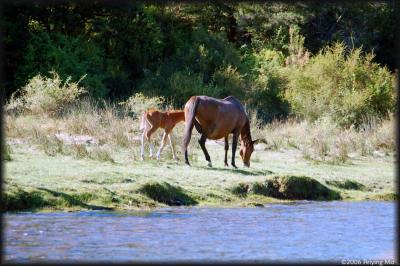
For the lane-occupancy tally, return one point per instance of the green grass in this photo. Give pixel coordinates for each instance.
(37, 181)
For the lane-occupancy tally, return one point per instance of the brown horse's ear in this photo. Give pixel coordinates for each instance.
(262, 140)
(255, 141)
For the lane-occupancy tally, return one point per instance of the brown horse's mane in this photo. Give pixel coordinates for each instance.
(245, 134)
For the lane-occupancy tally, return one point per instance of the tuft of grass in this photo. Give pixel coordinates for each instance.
(287, 187)
(260, 188)
(299, 188)
(79, 151)
(7, 153)
(166, 193)
(347, 184)
(101, 154)
(16, 198)
(240, 189)
(22, 200)
(386, 197)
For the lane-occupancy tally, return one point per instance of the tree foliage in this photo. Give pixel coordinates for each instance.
(178, 49)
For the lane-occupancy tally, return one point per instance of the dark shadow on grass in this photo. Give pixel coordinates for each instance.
(238, 171)
(72, 201)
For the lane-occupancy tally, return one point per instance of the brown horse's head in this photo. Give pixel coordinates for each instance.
(246, 149)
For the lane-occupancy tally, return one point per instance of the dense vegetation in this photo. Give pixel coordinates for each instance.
(305, 59)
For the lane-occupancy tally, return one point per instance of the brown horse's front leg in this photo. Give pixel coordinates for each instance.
(226, 150)
(234, 146)
(202, 142)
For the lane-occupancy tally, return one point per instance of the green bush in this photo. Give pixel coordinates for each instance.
(349, 87)
(138, 103)
(206, 63)
(68, 56)
(266, 83)
(46, 95)
(185, 84)
(228, 81)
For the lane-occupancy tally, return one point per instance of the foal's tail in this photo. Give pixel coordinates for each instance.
(143, 121)
(190, 113)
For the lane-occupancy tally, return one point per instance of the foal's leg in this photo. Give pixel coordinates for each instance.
(234, 145)
(172, 146)
(162, 144)
(226, 150)
(148, 135)
(142, 144)
(202, 142)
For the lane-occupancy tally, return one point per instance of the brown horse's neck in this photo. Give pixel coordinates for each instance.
(245, 134)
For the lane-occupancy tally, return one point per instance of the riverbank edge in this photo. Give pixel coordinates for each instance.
(39, 202)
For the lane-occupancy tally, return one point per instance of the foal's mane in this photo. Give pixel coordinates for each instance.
(174, 111)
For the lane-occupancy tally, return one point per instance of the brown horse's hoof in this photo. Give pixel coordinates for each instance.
(234, 166)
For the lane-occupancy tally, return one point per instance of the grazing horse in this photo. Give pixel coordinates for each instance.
(216, 119)
(152, 120)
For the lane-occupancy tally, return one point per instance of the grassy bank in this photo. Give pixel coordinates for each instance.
(64, 181)
(85, 154)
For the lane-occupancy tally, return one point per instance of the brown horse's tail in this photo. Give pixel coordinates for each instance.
(189, 122)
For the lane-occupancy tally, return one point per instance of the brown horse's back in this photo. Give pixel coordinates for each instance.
(218, 118)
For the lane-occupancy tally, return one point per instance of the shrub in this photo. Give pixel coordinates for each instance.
(185, 84)
(227, 81)
(46, 95)
(68, 56)
(138, 103)
(266, 84)
(348, 87)
(205, 64)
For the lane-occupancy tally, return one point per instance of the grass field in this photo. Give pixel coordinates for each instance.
(63, 181)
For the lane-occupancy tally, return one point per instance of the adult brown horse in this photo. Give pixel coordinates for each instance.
(216, 119)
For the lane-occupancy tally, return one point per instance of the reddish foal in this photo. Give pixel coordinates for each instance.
(152, 120)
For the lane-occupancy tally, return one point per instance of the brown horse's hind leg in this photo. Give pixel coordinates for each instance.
(234, 145)
(226, 150)
(197, 126)
(202, 142)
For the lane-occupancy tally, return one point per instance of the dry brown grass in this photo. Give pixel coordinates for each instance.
(112, 125)
(324, 140)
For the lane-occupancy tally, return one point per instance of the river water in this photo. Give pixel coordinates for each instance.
(301, 231)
